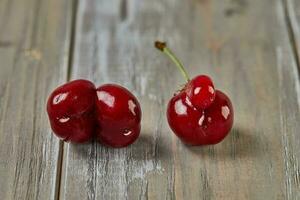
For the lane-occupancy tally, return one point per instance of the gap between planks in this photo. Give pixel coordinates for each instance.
(69, 71)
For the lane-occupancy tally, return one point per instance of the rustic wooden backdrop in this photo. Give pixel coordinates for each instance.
(251, 48)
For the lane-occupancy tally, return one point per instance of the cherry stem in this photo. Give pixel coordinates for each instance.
(163, 47)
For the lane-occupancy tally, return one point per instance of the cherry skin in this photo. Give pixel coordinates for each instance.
(70, 110)
(118, 116)
(201, 91)
(200, 127)
(198, 114)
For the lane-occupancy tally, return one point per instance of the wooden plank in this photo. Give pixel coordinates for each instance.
(34, 43)
(289, 117)
(243, 46)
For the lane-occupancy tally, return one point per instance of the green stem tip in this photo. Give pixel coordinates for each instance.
(163, 47)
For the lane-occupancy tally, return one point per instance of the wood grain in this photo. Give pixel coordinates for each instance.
(245, 48)
(34, 45)
(251, 53)
(290, 118)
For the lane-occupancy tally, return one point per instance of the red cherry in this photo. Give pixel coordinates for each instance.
(200, 127)
(201, 91)
(70, 110)
(118, 116)
(198, 114)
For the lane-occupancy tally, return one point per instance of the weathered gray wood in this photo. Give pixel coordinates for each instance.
(34, 43)
(290, 118)
(243, 46)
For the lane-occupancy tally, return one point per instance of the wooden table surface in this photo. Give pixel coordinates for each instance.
(251, 48)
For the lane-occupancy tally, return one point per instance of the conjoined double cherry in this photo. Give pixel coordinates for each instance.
(77, 110)
(198, 114)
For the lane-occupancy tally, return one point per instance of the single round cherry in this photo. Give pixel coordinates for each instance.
(118, 116)
(198, 114)
(70, 110)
